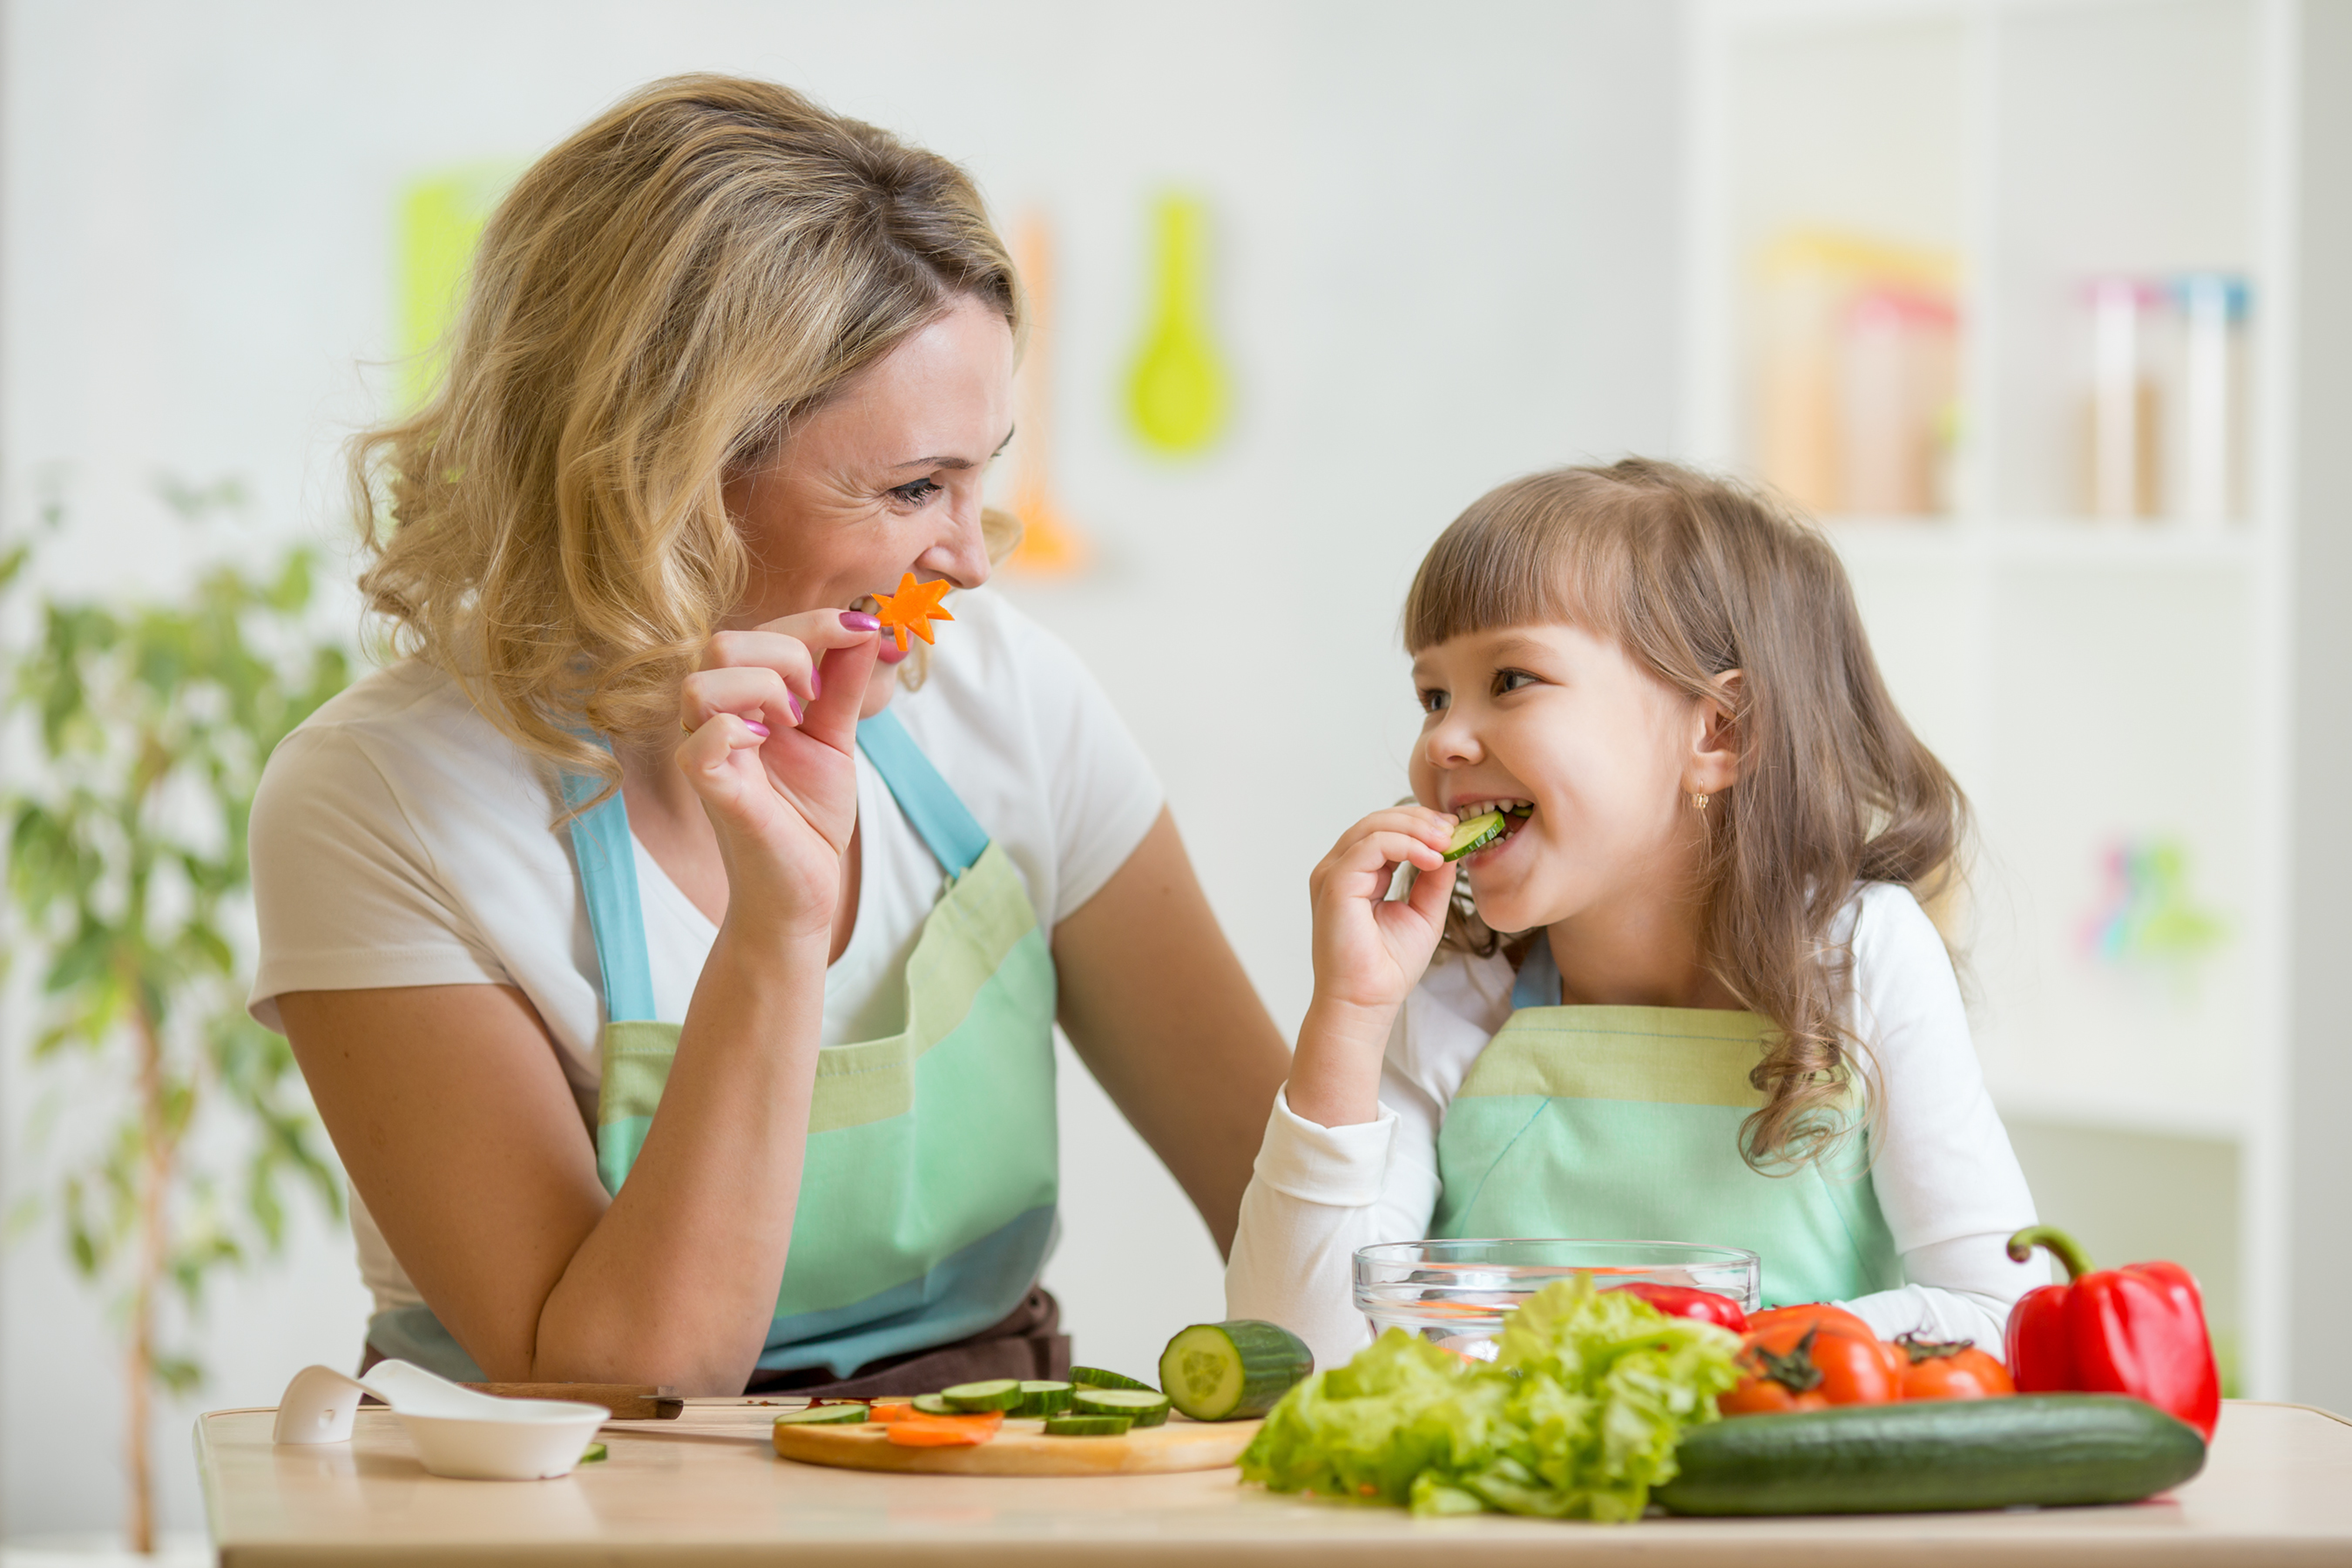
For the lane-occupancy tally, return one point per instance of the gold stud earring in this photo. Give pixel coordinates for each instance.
(1698, 801)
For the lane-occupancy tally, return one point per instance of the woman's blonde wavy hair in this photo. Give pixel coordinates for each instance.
(649, 310)
(1697, 576)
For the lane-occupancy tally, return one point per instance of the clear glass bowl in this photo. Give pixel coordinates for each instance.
(1456, 1293)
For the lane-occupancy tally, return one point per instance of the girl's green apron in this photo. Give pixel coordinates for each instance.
(928, 1188)
(1624, 1122)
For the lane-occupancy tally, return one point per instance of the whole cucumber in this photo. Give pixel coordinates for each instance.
(2048, 1449)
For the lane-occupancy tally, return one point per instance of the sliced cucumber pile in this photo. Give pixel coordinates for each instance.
(1233, 1370)
(1096, 1377)
(1142, 1405)
(1086, 1426)
(1474, 835)
(972, 1398)
(823, 1415)
(1043, 1396)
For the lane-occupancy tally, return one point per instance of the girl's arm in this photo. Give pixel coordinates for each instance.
(462, 1136)
(1945, 1175)
(1157, 1007)
(1321, 1192)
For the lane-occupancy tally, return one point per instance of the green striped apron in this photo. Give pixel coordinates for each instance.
(1624, 1123)
(928, 1182)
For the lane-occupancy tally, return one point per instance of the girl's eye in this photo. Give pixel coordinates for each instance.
(1434, 700)
(1511, 681)
(915, 492)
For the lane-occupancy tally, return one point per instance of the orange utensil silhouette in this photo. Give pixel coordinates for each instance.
(1050, 545)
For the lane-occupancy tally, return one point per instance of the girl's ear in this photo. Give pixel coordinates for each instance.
(1713, 763)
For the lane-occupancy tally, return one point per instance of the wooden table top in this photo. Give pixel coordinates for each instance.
(708, 1488)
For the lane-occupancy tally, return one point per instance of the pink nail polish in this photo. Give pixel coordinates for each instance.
(816, 684)
(756, 728)
(859, 621)
(796, 706)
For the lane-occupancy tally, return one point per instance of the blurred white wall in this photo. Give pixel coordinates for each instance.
(1446, 253)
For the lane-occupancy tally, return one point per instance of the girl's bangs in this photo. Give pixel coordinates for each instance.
(1529, 554)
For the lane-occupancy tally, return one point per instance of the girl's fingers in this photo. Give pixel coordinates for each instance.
(1377, 851)
(1420, 821)
(753, 691)
(1432, 891)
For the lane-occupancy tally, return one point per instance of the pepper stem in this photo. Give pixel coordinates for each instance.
(2064, 1247)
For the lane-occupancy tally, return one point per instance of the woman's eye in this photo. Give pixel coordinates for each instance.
(1512, 680)
(1432, 700)
(917, 491)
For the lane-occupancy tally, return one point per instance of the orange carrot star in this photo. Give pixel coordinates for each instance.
(913, 607)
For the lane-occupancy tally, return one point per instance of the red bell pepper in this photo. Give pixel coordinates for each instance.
(2138, 1330)
(1681, 1301)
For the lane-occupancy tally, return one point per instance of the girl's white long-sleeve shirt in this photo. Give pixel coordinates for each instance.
(1945, 1175)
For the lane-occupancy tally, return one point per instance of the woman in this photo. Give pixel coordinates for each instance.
(725, 1060)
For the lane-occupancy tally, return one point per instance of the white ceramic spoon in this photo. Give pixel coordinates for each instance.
(457, 1432)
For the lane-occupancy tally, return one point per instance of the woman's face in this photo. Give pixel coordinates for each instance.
(883, 479)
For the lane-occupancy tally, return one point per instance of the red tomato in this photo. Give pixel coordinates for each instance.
(1763, 1396)
(1831, 1319)
(1956, 1371)
(1806, 1356)
(1680, 1302)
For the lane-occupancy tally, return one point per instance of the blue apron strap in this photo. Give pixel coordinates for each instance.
(608, 879)
(955, 837)
(1538, 984)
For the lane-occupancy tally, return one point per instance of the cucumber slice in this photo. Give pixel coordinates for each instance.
(1474, 835)
(1086, 1426)
(996, 1393)
(1233, 1370)
(823, 1415)
(1041, 1396)
(1141, 1405)
(935, 1404)
(593, 1452)
(1096, 1377)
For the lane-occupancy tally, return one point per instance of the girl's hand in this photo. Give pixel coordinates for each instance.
(773, 716)
(1369, 950)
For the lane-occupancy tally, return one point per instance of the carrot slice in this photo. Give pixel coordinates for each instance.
(943, 1432)
(890, 1410)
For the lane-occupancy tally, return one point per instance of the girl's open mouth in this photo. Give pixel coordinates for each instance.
(1482, 826)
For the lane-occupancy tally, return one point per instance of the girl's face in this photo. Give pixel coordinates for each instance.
(884, 479)
(1604, 752)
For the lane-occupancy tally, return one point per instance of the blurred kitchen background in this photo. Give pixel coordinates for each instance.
(2041, 307)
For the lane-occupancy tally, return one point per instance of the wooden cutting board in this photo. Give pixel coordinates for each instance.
(1022, 1449)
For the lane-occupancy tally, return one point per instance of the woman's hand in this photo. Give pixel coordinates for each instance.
(1370, 950)
(773, 720)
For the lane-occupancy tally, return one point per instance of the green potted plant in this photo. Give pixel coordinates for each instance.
(140, 730)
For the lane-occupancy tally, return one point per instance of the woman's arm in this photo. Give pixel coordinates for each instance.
(1157, 1007)
(455, 1123)
(463, 1140)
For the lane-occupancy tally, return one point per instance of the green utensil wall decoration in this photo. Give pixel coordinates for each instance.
(439, 220)
(1178, 394)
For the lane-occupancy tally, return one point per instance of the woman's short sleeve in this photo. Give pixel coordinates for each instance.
(344, 889)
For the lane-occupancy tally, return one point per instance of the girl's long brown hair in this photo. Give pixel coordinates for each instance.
(1697, 576)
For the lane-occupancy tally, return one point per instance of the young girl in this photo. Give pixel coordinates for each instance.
(1724, 1017)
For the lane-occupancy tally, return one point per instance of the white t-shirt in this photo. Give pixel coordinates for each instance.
(400, 839)
(1945, 1176)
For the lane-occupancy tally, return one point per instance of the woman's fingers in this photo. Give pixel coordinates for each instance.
(703, 756)
(842, 680)
(757, 692)
(793, 646)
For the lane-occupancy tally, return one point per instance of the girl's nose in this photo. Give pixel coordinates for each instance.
(1450, 743)
(960, 553)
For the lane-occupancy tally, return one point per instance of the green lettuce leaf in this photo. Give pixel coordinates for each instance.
(1577, 1417)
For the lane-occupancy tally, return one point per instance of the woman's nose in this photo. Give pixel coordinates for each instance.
(960, 553)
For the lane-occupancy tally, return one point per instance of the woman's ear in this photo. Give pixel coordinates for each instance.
(1713, 763)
